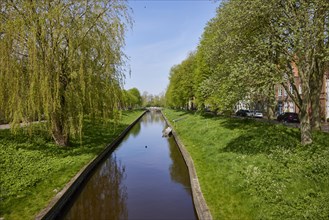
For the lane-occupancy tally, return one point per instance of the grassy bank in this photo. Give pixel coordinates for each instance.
(255, 170)
(33, 169)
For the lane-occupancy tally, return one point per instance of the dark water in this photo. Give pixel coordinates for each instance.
(144, 178)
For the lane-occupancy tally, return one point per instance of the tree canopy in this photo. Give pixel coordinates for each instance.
(61, 60)
(133, 98)
(180, 89)
(250, 47)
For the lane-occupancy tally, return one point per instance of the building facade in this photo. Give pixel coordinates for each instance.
(286, 104)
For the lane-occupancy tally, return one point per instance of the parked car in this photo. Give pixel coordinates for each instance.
(257, 114)
(291, 117)
(243, 113)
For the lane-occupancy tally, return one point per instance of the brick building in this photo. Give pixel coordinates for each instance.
(286, 104)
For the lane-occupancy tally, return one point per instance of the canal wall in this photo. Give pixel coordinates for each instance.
(200, 204)
(60, 200)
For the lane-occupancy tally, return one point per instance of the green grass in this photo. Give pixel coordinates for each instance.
(33, 169)
(256, 170)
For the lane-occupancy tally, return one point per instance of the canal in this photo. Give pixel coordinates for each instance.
(145, 177)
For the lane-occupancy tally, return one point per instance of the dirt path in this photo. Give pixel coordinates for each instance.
(7, 126)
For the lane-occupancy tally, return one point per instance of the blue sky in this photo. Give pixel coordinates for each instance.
(163, 34)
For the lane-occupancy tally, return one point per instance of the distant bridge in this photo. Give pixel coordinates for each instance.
(154, 108)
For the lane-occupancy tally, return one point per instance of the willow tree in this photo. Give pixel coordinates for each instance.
(61, 60)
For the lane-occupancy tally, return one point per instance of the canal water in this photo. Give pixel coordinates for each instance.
(144, 178)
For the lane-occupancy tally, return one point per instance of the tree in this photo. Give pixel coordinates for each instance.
(133, 99)
(181, 90)
(250, 46)
(61, 60)
(136, 94)
(262, 44)
(234, 60)
(298, 33)
(150, 100)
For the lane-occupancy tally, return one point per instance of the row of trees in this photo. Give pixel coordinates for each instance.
(252, 46)
(61, 60)
(133, 99)
(150, 100)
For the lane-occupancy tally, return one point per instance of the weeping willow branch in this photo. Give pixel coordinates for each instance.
(59, 66)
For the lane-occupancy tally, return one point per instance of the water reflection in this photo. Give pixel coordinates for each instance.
(104, 198)
(146, 179)
(178, 169)
(135, 130)
(153, 117)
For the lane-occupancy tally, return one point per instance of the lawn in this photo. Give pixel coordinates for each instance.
(256, 170)
(33, 169)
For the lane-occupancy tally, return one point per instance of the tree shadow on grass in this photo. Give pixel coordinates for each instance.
(96, 137)
(183, 112)
(260, 137)
(255, 136)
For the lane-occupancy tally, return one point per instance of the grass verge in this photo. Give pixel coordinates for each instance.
(256, 170)
(33, 169)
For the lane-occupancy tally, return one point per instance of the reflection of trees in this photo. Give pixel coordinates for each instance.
(104, 196)
(178, 169)
(135, 129)
(153, 117)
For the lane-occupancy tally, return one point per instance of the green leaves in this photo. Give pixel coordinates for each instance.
(251, 46)
(61, 60)
(181, 87)
(133, 98)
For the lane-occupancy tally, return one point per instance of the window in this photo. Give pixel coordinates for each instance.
(285, 93)
(291, 107)
(280, 108)
(285, 107)
(291, 89)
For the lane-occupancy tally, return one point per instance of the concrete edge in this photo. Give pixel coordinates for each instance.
(200, 204)
(60, 199)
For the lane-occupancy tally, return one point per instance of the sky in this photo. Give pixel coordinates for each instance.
(163, 34)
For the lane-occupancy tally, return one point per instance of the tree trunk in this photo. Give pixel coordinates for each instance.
(305, 128)
(60, 136)
(318, 70)
(305, 125)
(59, 132)
(315, 117)
(270, 112)
(271, 102)
(305, 109)
(316, 83)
